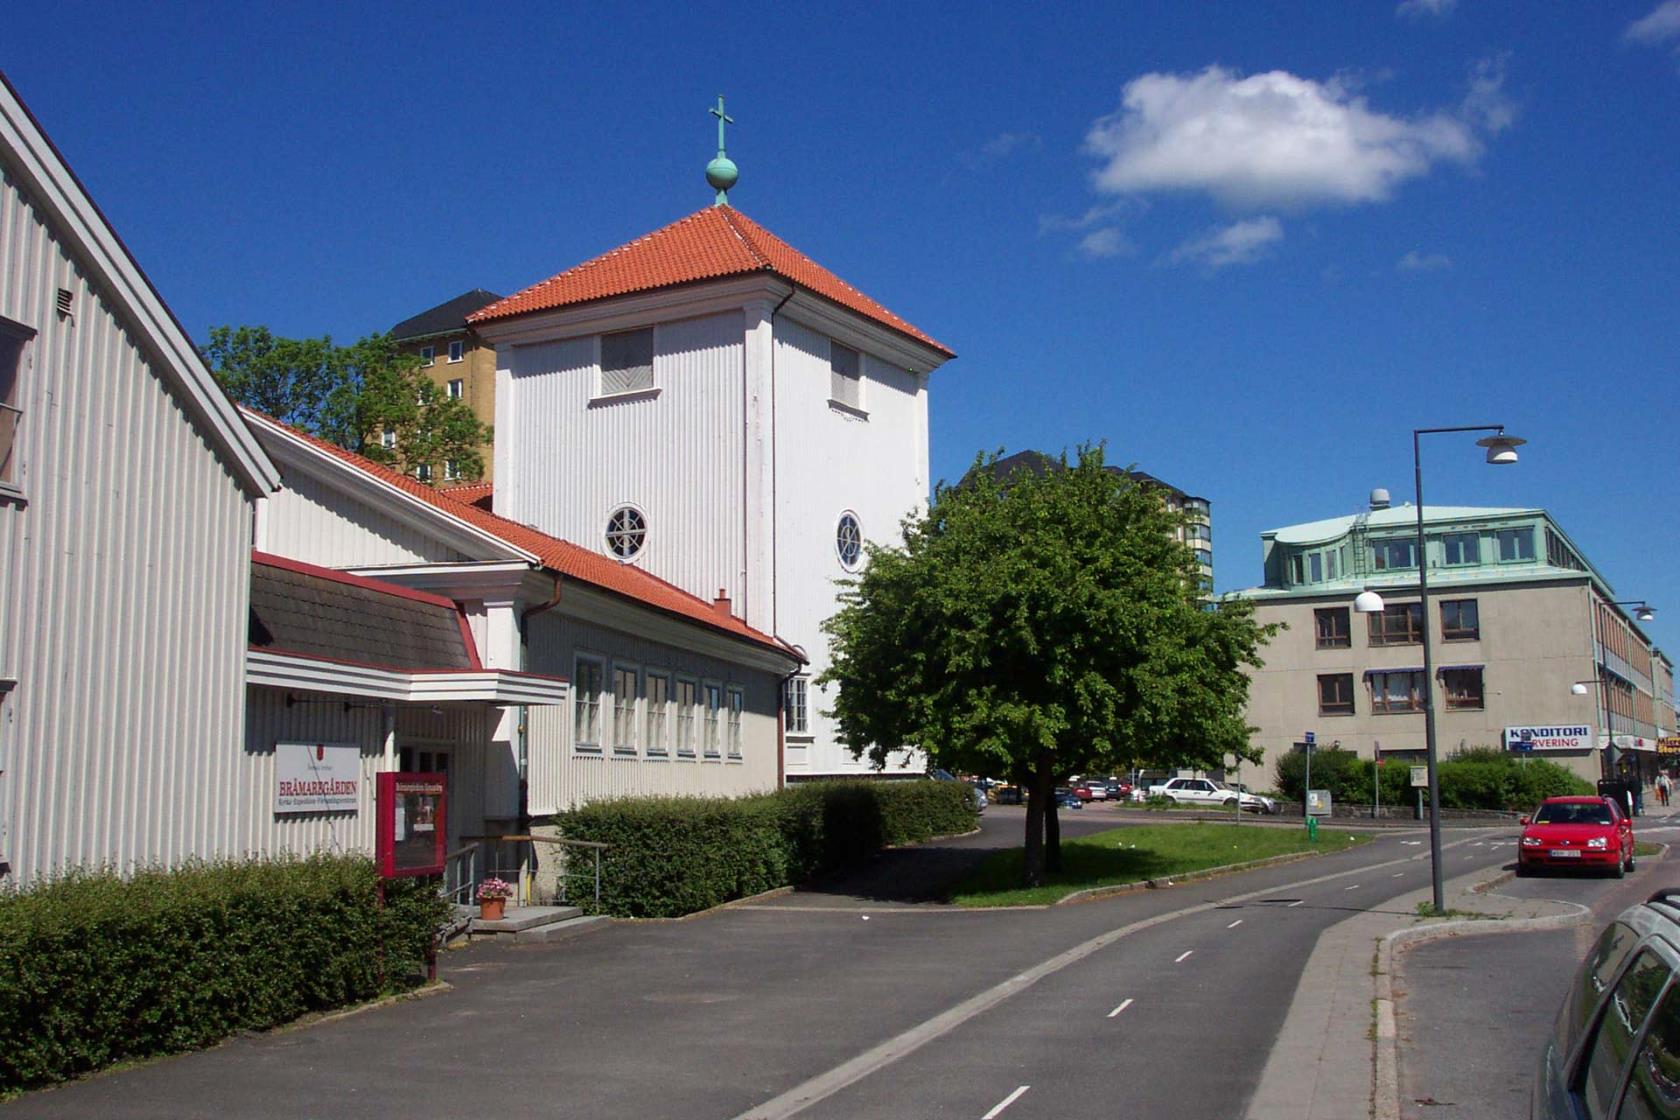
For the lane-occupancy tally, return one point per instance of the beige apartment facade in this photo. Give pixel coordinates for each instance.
(1517, 619)
(456, 359)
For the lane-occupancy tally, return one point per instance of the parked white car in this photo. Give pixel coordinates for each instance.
(1205, 791)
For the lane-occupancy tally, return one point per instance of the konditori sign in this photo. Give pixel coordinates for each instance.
(1550, 737)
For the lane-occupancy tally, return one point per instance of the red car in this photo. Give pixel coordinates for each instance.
(1577, 832)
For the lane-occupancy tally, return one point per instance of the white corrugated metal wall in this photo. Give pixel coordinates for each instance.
(320, 524)
(676, 457)
(126, 584)
(560, 778)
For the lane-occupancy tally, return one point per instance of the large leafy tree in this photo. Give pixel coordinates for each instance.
(1041, 626)
(352, 396)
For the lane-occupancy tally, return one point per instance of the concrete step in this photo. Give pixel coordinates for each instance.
(560, 931)
(520, 919)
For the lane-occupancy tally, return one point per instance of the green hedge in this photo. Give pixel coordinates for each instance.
(671, 856)
(96, 968)
(1473, 779)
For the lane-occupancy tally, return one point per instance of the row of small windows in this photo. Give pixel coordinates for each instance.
(457, 351)
(655, 713)
(1398, 624)
(1458, 550)
(1400, 690)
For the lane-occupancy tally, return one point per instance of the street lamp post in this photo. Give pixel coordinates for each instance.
(1501, 451)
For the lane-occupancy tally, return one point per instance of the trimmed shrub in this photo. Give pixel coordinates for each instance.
(1481, 778)
(96, 968)
(671, 856)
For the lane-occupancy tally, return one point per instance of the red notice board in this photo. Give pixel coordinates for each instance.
(411, 834)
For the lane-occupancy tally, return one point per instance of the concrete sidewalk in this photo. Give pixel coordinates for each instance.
(1328, 1063)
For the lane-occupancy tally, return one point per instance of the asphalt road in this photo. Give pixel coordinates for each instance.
(1474, 1011)
(844, 999)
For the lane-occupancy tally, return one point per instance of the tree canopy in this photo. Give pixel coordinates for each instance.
(351, 396)
(1040, 626)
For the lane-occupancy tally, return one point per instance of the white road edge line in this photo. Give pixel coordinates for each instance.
(1123, 1005)
(1352, 888)
(997, 1109)
(1183, 955)
(826, 1084)
(1234, 924)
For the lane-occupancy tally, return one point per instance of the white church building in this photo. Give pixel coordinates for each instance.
(710, 405)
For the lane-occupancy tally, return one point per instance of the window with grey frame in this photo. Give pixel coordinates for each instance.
(737, 701)
(1398, 624)
(1335, 694)
(1461, 549)
(586, 704)
(714, 718)
(625, 681)
(1460, 620)
(1515, 545)
(1394, 553)
(626, 361)
(796, 712)
(657, 702)
(688, 698)
(15, 339)
(845, 379)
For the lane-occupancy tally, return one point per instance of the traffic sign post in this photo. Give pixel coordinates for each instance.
(1306, 782)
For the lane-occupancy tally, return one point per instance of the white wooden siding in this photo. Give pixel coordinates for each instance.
(320, 524)
(678, 457)
(560, 779)
(124, 585)
(829, 462)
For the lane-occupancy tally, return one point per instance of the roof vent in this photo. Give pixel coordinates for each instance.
(1379, 498)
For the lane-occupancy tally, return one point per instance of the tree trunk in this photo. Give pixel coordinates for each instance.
(1032, 866)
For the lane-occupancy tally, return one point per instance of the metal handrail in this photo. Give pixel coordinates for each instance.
(522, 874)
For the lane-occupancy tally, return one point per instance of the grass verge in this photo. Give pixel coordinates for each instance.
(1131, 855)
(1646, 848)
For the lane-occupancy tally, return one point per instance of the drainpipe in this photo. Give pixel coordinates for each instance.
(781, 715)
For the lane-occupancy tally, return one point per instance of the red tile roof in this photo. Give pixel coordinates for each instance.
(708, 244)
(564, 557)
(480, 494)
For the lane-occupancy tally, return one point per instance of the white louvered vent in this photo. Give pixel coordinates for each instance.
(844, 379)
(626, 361)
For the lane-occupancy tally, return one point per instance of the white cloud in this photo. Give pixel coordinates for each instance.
(1415, 261)
(1417, 9)
(1658, 25)
(1275, 139)
(1242, 242)
(1106, 242)
(999, 147)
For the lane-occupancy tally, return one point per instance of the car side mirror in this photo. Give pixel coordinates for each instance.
(1523, 821)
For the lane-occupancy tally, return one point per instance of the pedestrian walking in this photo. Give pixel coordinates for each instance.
(1665, 789)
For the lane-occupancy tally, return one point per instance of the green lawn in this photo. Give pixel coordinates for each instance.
(1131, 855)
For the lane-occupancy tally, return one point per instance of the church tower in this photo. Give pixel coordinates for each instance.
(713, 406)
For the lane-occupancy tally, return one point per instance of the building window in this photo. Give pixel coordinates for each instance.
(388, 439)
(1335, 694)
(848, 541)
(1297, 570)
(1332, 628)
(1401, 552)
(1460, 621)
(626, 532)
(624, 709)
(1203, 557)
(451, 470)
(456, 350)
(658, 702)
(714, 719)
(1399, 624)
(1560, 555)
(1463, 688)
(423, 472)
(1461, 549)
(796, 711)
(1516, 545)
(1400, 691)
(627, 361)
(457, 389)
(586, 704)
(845, 375)
(737, 707)
(14, 341)
(688, 698)
(428, 355)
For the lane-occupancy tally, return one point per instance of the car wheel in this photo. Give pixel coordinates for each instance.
(1620, 871)
(1524, 871)
(1171, 800)
(1630, 861)
(1229, 803)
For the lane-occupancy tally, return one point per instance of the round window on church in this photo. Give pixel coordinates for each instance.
(626, 532)
(848, 541)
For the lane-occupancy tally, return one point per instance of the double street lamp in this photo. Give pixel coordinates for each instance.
(1501, 451)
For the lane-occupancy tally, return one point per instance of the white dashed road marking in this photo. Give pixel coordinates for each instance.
(1234, 924)
(1352, 888)
(1182, 955)
(997, 1109)
(1123, 1005)
(1297, 902)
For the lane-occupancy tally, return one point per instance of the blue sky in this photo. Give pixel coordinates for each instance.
(1251, 247)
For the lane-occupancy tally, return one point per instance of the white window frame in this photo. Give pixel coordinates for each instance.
(656, 714)
(457, 387)
(687, 716)
(388, 439)
(735, 704)
(586, 702)
(457, 351)
(633, 392)
(796, 706)
(428, 355)
(451, 470)
(625, 710)
(423, 472)
(711, 727)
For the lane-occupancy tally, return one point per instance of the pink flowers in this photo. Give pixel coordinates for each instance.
(494, 888)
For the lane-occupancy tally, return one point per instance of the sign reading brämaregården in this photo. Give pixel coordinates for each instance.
(1550, 737)
(317, 777)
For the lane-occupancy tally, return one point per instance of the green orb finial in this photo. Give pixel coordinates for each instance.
(721, 173)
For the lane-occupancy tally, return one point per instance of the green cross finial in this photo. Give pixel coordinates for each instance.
(721, 173)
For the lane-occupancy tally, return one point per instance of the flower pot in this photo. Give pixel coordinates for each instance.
(492, 909)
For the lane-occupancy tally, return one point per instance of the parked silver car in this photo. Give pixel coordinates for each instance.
(1615, 1048)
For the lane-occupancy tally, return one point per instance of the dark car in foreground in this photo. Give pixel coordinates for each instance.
(1577, 832)
(1614, 1050)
